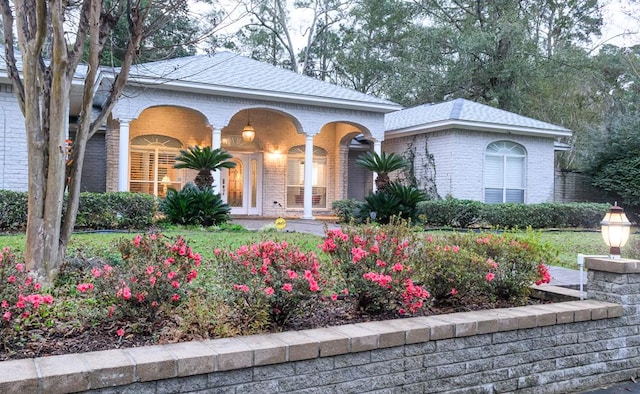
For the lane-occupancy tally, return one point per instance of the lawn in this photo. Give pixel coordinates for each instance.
(568, 243)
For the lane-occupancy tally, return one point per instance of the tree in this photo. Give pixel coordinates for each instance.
(382, 165)
(204, 160)
(43, 86)
(271, 36)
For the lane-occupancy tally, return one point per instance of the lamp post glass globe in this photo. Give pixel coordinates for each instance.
(616, 229)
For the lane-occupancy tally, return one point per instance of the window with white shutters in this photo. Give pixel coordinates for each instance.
(504, 172)
(151, 161)
(295, 178)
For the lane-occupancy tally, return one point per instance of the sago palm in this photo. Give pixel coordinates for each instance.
(382, 165)
(204, 160)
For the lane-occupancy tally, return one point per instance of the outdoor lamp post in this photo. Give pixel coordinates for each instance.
(615, 230)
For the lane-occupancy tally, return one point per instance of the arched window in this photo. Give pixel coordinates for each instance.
(504, 172)
(295, 178)
(151, 164)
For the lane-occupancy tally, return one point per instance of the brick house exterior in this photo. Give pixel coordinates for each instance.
(207, 101)
(451, 144)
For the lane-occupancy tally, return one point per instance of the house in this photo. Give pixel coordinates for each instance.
(210, 100)
(468, 150)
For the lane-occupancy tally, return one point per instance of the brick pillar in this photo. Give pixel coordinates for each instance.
(616, 281)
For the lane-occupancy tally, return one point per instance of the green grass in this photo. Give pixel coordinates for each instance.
(568, 243)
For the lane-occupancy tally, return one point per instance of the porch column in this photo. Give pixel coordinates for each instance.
(308, 177)
(377, 148)
(216, 143)
(123, 156)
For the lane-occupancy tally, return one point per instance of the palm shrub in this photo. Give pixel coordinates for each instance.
(204, 160)
(193, 205)
(396, 200)
(382, 165)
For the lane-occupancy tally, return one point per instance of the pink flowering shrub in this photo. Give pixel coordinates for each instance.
(21, 301)
(271, 275)
(459, 267)
(156, 271)
(376, 264)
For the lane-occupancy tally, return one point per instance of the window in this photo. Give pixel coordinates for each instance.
(295, 178)
(504, 172)
(151, 165)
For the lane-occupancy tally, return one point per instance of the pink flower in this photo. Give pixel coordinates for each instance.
(120, 332)
(136, 240)
(37, 286)
(381, 263)
(6, 316)
(308, 275)
(269, 291)
(140, 297)
(48, 299)
(454, 291)
(107, 268)
(96, 272)
(313, 285)
(150, 270)
(216, 251)
(19, 267)
(171, 274)
(154, 304)
(292, 274)
(429, 239)
(398, 267)
(152, 280)
(175, 284)
(83, 287)
(4, 304)
(401, 311)
(288, 287)
(456, 249)
(358, 254)
(345, 291)
(11, 279)
(334, 297)
(192, 275)
(242, 288)
(126, 293)
(175, 297)
(490, 276)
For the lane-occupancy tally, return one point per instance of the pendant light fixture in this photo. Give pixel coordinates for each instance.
(248, 132)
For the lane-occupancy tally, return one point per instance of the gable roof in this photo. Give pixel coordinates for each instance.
(465, 114)
(229, 74)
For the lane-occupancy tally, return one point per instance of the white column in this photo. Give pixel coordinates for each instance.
(377, 148)
(308, 177)
(123, 156)
(216, 143)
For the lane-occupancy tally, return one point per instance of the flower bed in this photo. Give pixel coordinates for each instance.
(161, 290)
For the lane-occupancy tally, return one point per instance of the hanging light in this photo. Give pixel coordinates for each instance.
(615, 230)
(248, 132)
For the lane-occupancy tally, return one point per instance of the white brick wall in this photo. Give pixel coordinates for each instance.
(13, 143)
(459, 161)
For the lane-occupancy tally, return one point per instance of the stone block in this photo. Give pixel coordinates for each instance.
(232, 353)
(266, 349)
(63, 374)
(109, 368)
(299, 345)
(360, 338)
(415, 329)
(389, 335)
(331, 342)
(153, 363)
(193, 358)
(18, 376)
(464, 324)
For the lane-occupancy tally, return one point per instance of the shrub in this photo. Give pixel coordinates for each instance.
(154, 273)
(194, 206)
(120, 210)
(13, 210)
(21, 303)
(450, 212)
(96, 210)
(347, 210)
(376, 265)
(269, 277)
(465, 266)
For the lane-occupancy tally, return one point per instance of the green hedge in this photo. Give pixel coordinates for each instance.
(464, 213)
(120, 210)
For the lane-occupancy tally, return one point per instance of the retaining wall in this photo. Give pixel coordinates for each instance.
(555, 348)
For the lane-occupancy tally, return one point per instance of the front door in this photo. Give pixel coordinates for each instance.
(242, 185)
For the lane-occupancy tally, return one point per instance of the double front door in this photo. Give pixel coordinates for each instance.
(241, 187)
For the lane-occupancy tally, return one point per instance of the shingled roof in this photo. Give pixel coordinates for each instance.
(466, 114)
(229, 74)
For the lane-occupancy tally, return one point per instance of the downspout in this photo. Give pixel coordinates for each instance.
(4, 148)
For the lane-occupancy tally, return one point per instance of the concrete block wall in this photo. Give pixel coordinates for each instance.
(459, 161)
(13, 143)
(550, 348)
